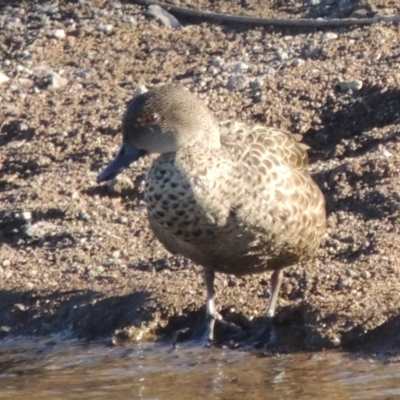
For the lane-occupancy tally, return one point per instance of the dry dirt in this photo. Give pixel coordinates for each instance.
(79, 258)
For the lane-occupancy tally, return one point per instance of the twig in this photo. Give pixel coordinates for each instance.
(301, 22)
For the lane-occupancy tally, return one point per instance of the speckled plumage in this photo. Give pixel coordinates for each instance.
(233, 198)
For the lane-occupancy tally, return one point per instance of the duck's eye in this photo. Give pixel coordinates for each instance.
(152, 118)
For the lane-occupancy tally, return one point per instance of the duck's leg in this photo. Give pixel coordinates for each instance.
(211, 311)
(276, 281)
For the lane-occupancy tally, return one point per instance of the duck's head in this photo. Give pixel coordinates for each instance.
(162, 120)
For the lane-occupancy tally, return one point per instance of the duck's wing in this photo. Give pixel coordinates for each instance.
(259, 141)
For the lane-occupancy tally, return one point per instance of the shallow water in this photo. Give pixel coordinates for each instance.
(59, 369)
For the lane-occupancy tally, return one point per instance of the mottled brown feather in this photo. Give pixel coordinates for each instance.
(246, 207)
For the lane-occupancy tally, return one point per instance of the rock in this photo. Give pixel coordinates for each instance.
(59, 34)
(383, 153)
(26, 82)
(46, 8)
(3, 78)
(217, 62)
(15, 144)
(360, 13)
(107, 29)
(257, 49)
(26, 216)
(119, 184)
(355, 85)
(20, 307)
(163, 16)
(56, 81)
(257, 84)
(128, 19)
(330, 36)
(84, 216)
(20, 68)
(85, 73)
(39, 230)
(109, 262)
(237, 82)
(282, 55)
(365, 274)
(240, 67)
(122, 220)
(73, 195)
(350, 273)
(298, 62)
(26, 55)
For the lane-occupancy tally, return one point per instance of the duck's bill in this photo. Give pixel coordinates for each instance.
(127, 155)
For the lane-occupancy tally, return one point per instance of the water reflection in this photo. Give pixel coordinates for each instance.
(52, 369)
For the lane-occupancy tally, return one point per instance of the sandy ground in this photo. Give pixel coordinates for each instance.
(80, 258)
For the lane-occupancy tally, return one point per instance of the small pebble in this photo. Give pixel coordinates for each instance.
(217, 62)
(237, 82)
(382, 152)
(85, 74)
(26, 216)
(26, 82)
(84, 216)
(257, 84)
(355, 85)
(15, 144)
(59, 34)
(119, 184)
(3, 78)
(350, 273)
(122, 220)
(20, 307)
(107, 29)
(365, 274)
(298, 62)
(26, 54)
(360, 13)
(163, 16)
(56, 81)
(240, 67)
(330, 36)
(73, 195)
(282, 55)
(128, 19)
(109, 262)
(116, 254)
(46, 8)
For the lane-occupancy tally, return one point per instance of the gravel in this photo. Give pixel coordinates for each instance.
(79, 257)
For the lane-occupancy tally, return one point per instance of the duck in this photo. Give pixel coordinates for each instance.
(233, 198)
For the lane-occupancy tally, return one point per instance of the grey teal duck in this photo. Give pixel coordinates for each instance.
(232, 198)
